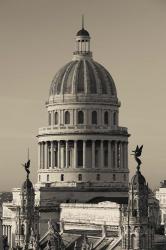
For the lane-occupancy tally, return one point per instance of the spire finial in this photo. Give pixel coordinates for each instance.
(82, 22)
(28, 153)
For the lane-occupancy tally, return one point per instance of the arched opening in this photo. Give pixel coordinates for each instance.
(80, 117)
(67, 117)
(48, 177)
(114, 177)
(56, 118)
(62, 177)
(133, 241)
(98, 177)
(106, 117)
(94, 117)
(80, 177)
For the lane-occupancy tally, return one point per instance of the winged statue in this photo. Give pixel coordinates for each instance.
(137, 154)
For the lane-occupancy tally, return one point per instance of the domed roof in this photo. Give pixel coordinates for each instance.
(27, 185)
(84, 76)
(82, 32)
(138, 180)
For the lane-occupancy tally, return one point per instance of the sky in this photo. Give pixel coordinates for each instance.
(37, 38)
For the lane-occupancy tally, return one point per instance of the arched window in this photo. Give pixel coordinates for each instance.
(133, 241)
(124, 177)
(98, 177)
(48, 177)
(67, 117)
(62, 177)
(49, 118)
(56, 118)
(39, 178)
(94, 117)
(114, 118)
(80, 117)
(80, 177)
(106, 117)
(114, 177)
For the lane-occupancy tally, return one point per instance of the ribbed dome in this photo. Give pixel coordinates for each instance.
(84, 76)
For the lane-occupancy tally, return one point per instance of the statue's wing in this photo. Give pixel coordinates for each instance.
(141, 148)
(137, 148)
(28, 163)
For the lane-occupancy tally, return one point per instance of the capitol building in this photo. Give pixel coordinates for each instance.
(82, 198)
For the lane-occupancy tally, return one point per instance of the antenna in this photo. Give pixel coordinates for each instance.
(82, 22)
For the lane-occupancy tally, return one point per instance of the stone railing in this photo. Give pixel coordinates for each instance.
(81, 129)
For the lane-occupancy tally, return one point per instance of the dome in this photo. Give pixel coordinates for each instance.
(27, 185)
(138, 180)
(84, 76)
(82, 32)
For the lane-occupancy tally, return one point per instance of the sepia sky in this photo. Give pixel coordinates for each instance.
(37, 38)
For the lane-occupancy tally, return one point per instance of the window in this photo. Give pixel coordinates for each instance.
(62, 177)
(106, 117)
(80, 117)
(98, 177)
(48, 177)
(114, 118)
(49, 118)
(124, 177)
(39, 178)
(67, 117)
(56, 118)
(80, 177)
(114, 177)
(94, 117)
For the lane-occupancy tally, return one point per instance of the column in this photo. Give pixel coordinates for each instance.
(52, 154)
(39, 155)
(84, 153)
(9, 233)
(67, 154)
(101, 154)
(59, 155)
(75, 154)
(93, 154)
(126, 155)
(63, 156)
(109, 155)
(116, 154)
(45, 155)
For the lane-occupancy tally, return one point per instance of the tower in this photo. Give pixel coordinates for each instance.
(26, 219)
(137, 232)
(83, 147)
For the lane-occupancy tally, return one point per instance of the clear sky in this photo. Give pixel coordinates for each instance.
(37, 38)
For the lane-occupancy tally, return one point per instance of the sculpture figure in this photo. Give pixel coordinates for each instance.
(137, 153)
(27, 166)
